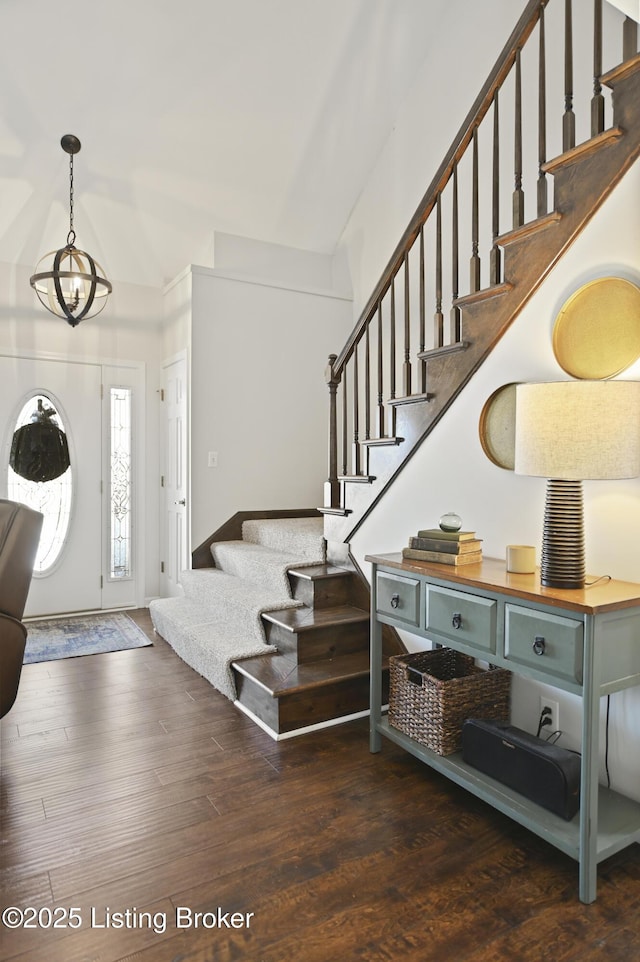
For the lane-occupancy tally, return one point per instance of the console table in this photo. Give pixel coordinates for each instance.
(585, 641)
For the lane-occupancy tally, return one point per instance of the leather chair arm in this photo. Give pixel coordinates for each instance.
(13, 638)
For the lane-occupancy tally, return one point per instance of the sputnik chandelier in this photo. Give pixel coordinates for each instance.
(72, 285)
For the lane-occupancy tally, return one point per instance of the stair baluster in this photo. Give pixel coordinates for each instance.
(367, 386)
(629, 39)
(406, 367)
(423, 363)
(597, 101)
(543, 201)
(455, 329)
(392, 357)
(474, 267)
(569, 118)
(332, 485)
(518, 193)
(381, 417)
(355, 457)
(438, 319)
(495, 260)
(345, 405)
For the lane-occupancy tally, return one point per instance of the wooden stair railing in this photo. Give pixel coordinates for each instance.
(390, 365)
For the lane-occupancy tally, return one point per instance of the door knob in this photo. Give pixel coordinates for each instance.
(182, 502)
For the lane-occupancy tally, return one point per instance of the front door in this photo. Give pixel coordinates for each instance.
(70, 579)
(91, 549)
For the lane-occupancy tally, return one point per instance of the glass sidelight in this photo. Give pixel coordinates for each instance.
(120, 483)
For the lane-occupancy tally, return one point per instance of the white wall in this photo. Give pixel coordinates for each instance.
(450, 472)
(258, 394)
(126, 330)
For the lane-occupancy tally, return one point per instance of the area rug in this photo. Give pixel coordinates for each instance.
(57, 638)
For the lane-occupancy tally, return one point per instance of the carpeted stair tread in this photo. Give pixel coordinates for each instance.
(204, 639)
(306, 619)
(300, 537)
(281, 676)
(258, 564)
(213, 587)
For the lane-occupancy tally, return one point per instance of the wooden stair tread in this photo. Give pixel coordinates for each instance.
(484, 294)
(306, 619)
(357, 478)
(318, 572)
(381, 442)
(531, 227)
(441, 351)
(410, 399)
(582, 150)
(280, 676)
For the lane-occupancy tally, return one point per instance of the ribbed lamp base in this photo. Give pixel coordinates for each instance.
(562, 562)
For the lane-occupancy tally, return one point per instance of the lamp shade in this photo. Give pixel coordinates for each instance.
(578, 430)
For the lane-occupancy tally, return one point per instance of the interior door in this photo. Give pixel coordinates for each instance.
(73, 581)
(176, 547)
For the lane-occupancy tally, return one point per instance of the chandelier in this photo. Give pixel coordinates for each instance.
(69, 282)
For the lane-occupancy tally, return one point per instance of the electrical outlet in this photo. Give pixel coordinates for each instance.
(552, 723)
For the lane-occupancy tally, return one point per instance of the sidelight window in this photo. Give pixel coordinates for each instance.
(120, 493)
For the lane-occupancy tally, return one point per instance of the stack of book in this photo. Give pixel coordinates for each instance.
(444, 547)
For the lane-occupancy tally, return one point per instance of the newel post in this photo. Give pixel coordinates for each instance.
(332, 485)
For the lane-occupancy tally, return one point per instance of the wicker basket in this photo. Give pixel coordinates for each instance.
(433, 692)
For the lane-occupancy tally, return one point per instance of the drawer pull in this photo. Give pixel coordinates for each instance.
(539, 645)
(456, 621)
(395, 601)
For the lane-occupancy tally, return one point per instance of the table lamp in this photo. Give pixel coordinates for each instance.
(570, 432)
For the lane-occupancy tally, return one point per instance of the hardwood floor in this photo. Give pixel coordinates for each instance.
(130, 786)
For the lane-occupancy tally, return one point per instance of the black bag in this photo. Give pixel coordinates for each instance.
(546, 774)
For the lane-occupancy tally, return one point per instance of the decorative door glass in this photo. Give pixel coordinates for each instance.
(120, 534)
(40, 474)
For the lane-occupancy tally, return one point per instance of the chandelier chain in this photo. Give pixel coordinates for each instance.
(72, 234)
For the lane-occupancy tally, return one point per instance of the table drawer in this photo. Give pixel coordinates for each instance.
(399, 598)
(462, 617)
(544, 641)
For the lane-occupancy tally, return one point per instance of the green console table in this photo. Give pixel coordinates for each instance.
(585, 641)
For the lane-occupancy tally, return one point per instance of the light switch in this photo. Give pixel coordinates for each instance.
(212, 461)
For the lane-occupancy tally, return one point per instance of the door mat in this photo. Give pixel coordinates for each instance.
(56, 638)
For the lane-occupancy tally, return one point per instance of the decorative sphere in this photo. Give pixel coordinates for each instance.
(450, 521)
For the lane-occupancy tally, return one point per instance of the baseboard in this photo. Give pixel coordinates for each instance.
(281, 736)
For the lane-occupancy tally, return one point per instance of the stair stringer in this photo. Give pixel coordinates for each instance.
(583, 179)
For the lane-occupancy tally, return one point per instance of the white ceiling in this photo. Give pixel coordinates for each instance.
(254, 117)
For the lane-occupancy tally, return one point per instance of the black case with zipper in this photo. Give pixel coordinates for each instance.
(544, 773)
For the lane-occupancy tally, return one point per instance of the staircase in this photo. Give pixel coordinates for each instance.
(394, 379)
(317, 671)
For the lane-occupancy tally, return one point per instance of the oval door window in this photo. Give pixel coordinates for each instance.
(40, 474)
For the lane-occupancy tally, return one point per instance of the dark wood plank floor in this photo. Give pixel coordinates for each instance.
(130, 786)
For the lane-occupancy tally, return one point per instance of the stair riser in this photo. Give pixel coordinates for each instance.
(324, 593)
(301, 709)
(318, 643)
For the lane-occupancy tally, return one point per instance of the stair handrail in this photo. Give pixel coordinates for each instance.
(520, 34)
